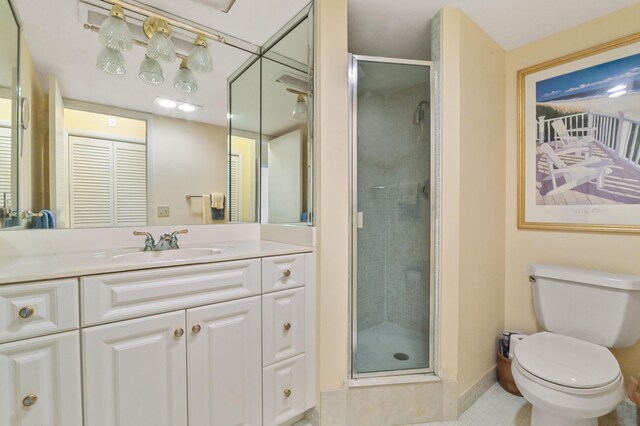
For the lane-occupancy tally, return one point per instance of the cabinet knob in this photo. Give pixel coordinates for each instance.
(287, 326)
(178, 333)
(196, 329)
(29, 400)
(26, 311)
(287, 393)
(287, 273)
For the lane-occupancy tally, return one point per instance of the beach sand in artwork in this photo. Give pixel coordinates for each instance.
(629, 104)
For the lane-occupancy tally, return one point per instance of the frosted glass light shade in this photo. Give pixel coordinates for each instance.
(161, 48)
(185, 81)
(114, 33)
(151, 71)
(301, 110)
(111, 61)
(200, 59)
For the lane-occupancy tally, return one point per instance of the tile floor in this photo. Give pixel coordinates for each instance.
(496, 407)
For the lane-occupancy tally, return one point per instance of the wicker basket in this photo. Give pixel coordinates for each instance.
(505, 377)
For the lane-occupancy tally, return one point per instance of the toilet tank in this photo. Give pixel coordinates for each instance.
(599, 307)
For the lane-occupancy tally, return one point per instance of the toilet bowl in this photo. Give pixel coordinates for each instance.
(566, 372)
(568, 381)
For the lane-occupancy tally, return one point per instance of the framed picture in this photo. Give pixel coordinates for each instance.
(579, 140)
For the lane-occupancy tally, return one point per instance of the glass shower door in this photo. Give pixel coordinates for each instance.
(392, 315)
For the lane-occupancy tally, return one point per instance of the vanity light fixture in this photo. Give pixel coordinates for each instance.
(111, 61)
(301, 109)
(114, 32)
(199, 56)
(185, 81)
(151, 71)
(160, 46)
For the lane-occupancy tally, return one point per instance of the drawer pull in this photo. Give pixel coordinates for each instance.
(287, 273)
(196, 329)
(26, 312)
(287, 393)
(178, 333)
(287, 326)
(29, 400)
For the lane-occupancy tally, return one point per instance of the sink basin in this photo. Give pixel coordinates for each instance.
(163, 255)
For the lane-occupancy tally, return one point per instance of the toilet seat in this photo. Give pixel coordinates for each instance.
(567, 364)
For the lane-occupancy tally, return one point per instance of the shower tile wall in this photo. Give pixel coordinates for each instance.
(393, 246)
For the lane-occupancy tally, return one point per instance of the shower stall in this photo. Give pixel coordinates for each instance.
(392, 298)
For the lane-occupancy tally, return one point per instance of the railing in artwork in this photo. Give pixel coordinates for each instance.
(621, 135)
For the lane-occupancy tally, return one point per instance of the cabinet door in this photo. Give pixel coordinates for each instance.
(135, 372)
(40, 381)
(224, 364)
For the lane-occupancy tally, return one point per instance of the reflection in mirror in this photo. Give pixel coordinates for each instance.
(8, 117)
(278, 125)
(109, 149)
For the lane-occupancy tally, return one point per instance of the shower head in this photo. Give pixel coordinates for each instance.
(418, 115)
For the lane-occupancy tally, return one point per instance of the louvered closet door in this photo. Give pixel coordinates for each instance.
(130, 184)
(234, 188)
(5, 165)
(90, 166)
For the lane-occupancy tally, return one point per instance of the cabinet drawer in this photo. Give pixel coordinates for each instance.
(283, 325)
(282, 272)
(34, 309)
(41, 381)
(284, 390)
(124, 295)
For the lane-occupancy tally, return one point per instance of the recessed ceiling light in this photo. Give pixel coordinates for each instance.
(618, 88)
(186, 107)
(167, 103)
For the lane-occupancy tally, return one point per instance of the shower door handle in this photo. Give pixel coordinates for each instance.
(360, 220)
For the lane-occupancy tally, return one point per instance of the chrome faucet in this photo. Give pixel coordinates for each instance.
(165, 242)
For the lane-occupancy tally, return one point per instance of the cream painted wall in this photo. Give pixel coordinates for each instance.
(590, 250)
(473, 170)
(5, 109)
(127, 127)
(332, 193)
(186, 157)
(482, 193)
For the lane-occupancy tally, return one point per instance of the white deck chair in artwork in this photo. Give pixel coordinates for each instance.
(565, 139)
(587, 170)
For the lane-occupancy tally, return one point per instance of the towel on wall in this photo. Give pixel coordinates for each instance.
(208, 211)
(217, 206)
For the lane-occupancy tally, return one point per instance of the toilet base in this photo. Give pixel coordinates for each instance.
(542, 418)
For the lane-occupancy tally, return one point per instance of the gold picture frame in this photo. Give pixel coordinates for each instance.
(579, 140)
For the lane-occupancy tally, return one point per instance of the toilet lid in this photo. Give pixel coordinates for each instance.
(567, 361)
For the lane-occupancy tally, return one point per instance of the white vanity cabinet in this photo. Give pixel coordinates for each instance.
(40, 376)
(197, 345)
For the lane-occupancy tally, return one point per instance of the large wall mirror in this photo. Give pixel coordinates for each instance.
(271, 101)
(132, 138)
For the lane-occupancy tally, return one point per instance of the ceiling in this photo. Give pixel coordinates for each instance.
(401, 29)
(69, 52)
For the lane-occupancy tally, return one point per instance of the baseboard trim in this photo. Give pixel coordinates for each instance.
(467, 399)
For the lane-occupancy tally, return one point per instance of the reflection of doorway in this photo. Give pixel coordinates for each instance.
(285, 178)
(235, 187)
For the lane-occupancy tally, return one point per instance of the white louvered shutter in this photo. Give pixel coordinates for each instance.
(130, 184)
(90, 169)
(234, 188)
(5, 165)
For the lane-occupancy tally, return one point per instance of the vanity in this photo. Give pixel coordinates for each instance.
(120, 338)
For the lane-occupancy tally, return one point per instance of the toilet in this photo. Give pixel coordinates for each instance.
(566, 372)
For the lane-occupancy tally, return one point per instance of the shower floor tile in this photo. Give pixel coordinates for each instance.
(377, 346)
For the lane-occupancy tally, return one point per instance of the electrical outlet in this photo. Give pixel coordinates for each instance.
(163, 211)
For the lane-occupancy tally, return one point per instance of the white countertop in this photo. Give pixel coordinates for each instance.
(15, 269)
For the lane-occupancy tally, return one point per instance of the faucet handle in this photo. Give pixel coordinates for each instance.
(141, 233)
(182, 231)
